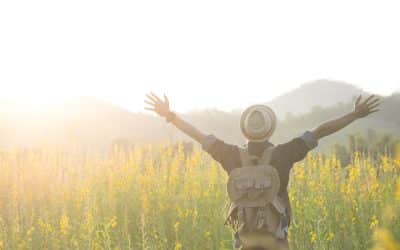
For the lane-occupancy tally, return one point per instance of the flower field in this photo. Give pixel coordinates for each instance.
(165, 198)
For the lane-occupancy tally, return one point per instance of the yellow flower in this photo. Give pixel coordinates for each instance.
(64, 224)
(178, 246)
(374, 222)
(397, 156)
(176, 226)
(330, 236)
(113, 222)
(313, 237)
(384, 240)
(398, 190)
(386, 164)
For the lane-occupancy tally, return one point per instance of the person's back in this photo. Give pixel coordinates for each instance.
(258, 124)
(282, 156)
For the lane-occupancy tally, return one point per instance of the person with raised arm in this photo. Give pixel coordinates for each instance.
(259, 172)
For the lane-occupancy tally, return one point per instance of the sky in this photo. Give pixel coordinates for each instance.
(223, 54)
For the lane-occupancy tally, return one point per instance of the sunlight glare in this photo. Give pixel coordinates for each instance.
(33, 99)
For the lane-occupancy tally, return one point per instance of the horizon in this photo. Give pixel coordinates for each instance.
(53, 103)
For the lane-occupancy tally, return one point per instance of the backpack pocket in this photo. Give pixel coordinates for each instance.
(253, 186)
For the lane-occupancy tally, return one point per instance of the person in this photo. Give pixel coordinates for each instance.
(258, 123)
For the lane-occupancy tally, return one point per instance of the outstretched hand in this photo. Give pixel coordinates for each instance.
(361, 109)
(367, 107)
(161, 107)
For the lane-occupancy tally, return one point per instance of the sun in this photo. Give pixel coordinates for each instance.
(32, 99)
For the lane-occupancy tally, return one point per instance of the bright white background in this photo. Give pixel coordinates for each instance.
(222, 54)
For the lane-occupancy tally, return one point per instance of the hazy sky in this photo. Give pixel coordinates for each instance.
(202, 53)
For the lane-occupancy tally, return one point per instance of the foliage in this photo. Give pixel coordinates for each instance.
(371, 143)
(161, 198)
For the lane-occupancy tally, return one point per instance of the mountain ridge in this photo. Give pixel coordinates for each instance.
(304, 98)
(94, 123)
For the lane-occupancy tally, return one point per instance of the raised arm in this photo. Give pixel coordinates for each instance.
(161, 107)
(361, 109)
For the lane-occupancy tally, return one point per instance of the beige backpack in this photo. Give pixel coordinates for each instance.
(257, 214)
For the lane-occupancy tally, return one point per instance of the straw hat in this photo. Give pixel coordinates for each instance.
(258, 123)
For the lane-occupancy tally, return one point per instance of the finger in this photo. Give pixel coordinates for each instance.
(155, 96)
(150, 103)
(358, 99)
(151, 98)
(369, 98)
(373, 111)
(148, 108)
(373, 101)
(374, 106)
(166, 99)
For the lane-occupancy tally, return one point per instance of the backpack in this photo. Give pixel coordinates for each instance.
(257, 214)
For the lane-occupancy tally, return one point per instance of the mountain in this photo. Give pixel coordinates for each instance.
(87, 122)
(385, 122)
(94, 124)
(318, 93)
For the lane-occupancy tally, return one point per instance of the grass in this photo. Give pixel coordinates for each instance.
(162, 198)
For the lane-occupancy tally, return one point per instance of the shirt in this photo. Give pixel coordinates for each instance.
(283, 156)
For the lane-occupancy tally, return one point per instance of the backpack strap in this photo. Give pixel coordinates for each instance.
(282, 209)
(246, 159)
(250, 160)
(267, 155)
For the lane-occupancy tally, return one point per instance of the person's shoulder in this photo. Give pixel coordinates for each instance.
(306, 140)
(208, 142)
(211, 142)
(228, 155)
(297, 148)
